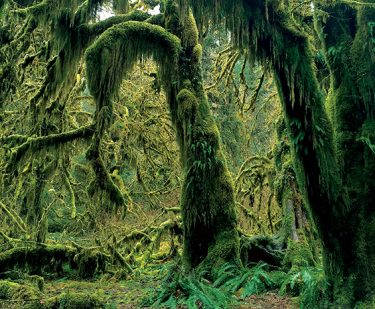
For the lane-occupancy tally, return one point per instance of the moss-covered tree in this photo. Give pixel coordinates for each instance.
(347, 36)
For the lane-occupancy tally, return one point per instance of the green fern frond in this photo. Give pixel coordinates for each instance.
(310, 284)
(259, 282)
(237, 282)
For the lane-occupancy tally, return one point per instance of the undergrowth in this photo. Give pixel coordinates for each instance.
(230, 285)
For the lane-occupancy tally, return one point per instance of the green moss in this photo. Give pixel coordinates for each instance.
(187, 105)
(11, 292)
(225, 248)
(99, 27)
(261, 248)
(74, 300)
(298, 255)
(190, 31)
(53, 260)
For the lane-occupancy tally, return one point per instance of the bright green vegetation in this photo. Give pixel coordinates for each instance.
(198, 154)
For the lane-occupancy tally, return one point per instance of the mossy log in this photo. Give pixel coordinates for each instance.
(53, 259)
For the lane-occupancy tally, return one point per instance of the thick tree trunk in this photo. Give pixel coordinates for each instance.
(348, 41)
(208, 207)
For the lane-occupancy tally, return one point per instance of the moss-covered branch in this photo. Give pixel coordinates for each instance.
(36, 143)
(14, 217)
(130, 40)
(98, 28)
(104, 179)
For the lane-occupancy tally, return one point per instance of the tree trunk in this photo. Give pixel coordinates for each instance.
(348, 41)
(208, 207)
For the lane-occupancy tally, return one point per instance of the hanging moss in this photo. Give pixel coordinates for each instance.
(112, 55)
(348, 50)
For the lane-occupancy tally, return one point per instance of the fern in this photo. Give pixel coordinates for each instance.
(225, 272)
(191, 291)
(235, 283)
(315, 288)
(253, 281)
(310, 284)
(192, 302)
(171, 302)
(259, 282)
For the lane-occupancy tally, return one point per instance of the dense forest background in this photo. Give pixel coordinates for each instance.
(187, 154)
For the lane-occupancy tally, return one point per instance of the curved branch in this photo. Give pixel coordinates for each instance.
(106, 68)
(101, 26)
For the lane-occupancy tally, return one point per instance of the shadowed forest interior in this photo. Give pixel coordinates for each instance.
(187, 154)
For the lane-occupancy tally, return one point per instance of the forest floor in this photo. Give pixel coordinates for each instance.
(117, 289)
(128, 294)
